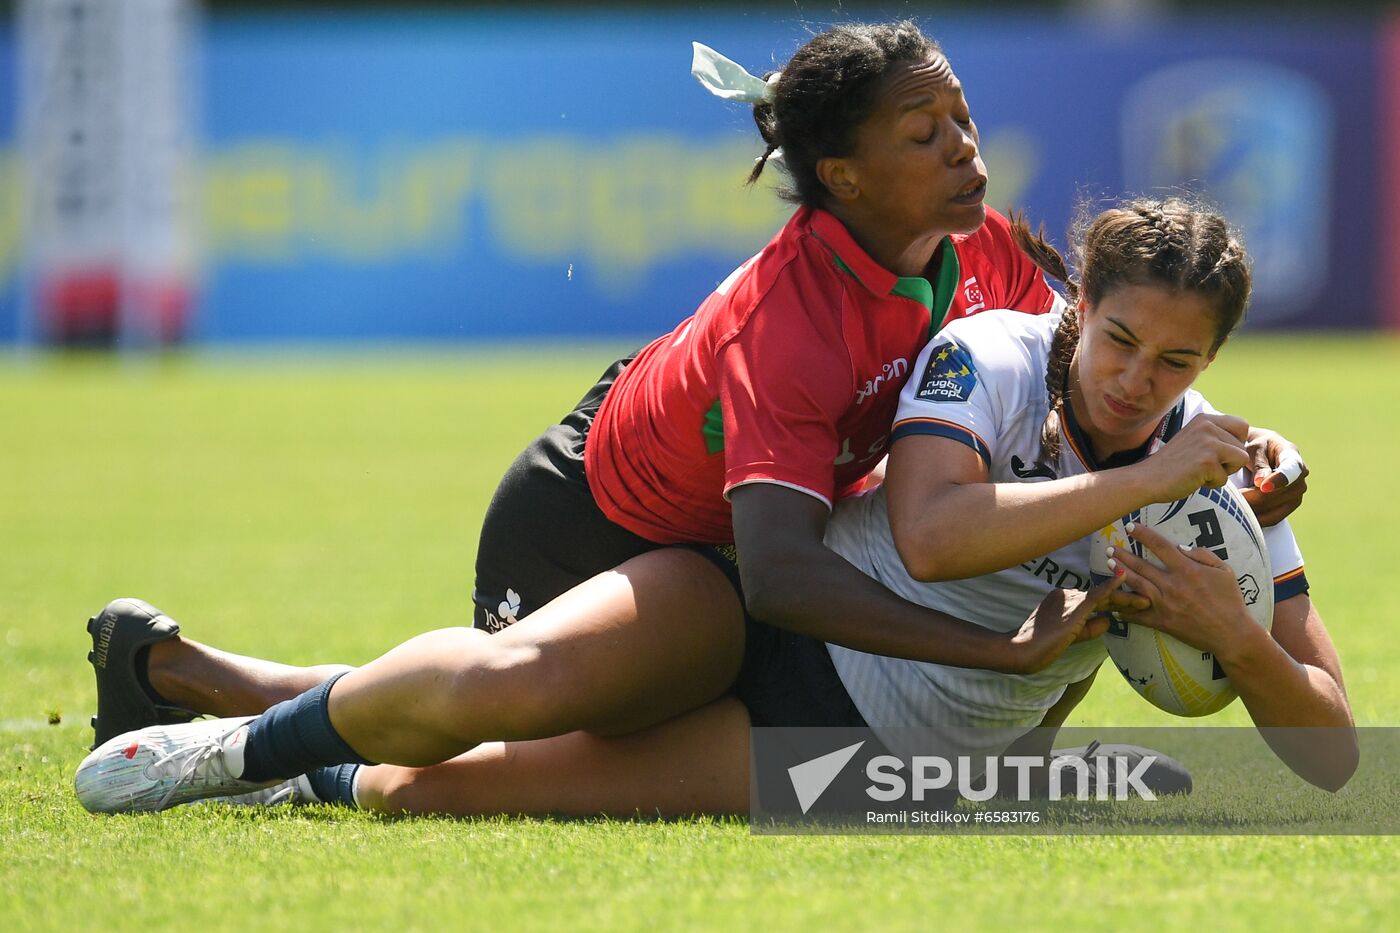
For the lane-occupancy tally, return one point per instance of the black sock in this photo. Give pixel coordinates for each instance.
(296, 737)
(142, 664)
(335, 784)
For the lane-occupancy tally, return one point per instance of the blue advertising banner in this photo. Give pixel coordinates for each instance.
(459, 175)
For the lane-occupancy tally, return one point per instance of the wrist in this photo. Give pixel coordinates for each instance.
(1247, 645)
(1134, 486)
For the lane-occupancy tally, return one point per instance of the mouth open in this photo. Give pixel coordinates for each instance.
(972, 193)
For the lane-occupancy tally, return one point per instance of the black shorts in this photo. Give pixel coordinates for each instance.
(786, 679)
(544, 534)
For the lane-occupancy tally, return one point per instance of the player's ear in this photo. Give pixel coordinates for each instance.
(839, 177)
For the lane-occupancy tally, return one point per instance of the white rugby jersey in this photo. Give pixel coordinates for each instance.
(981, 381)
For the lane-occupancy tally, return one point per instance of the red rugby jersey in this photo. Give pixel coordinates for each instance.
(788, 373)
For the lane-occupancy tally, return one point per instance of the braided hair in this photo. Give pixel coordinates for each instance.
(823, 95)
(1173, 243)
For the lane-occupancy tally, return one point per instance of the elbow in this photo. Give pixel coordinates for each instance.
(925, 562)
(768, 597)
(1343, 766)
(1329, 764)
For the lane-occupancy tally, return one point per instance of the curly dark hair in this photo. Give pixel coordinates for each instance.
(825, 92)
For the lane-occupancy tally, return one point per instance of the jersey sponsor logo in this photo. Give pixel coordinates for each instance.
(972, 291)
(949, 376)
(1062, 578)
(890, 372)
(1033, 470)
(876, 449)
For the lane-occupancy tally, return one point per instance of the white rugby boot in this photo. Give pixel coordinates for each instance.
(294, 792)
(164, 766)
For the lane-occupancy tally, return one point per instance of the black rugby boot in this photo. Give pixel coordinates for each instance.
(1163, 775)
(119, 632)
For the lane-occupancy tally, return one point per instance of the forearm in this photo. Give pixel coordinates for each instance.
(1300, 709)
(820, 594)
(1000, 525)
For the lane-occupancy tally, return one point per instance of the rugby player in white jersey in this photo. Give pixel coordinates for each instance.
(1016, 439)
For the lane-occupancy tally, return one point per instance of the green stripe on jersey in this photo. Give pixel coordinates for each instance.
(946, 288)
(713, 429)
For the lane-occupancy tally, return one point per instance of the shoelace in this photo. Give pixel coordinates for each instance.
(190, 760)
(279, 794)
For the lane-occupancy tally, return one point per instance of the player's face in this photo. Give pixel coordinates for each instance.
(917, 162)
(1139, 349)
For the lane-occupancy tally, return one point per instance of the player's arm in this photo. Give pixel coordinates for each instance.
(949, 522)
(792, 580)
(1290, 679)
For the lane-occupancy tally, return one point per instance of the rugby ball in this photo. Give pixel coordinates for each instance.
(1167, 672)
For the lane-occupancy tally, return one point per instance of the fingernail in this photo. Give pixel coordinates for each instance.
(1129, 527)
(1120, 571)
(1111, 562)
(1184, 547)
(1109, 552)
(1267, 486)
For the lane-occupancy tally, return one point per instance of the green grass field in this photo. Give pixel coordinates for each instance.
(323, 508)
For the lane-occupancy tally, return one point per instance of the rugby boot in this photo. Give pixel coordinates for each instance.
(164, 766)
(119, 632)
(1163, 776)
(295, 792)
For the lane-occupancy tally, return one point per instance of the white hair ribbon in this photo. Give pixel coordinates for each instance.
(727, 79)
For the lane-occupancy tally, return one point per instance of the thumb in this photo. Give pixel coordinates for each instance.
(1100, 597)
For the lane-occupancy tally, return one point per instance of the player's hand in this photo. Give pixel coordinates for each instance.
(1280, 476)
(1194, 597)
(1065, 617)
(1204, 453)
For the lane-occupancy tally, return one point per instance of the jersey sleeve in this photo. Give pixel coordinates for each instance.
(965, 380)
(1285, 562)
(782, 391)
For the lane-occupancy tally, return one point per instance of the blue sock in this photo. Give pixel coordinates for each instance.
(335, 784)
(295, 737)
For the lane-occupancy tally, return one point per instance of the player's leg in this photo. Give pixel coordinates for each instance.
(660, 635)
(147, 673)
(203, 678)
(695, 763)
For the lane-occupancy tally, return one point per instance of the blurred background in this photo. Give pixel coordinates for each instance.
(228, 172)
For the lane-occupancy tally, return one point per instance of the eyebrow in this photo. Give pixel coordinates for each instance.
(1188, 351)
(917, 103)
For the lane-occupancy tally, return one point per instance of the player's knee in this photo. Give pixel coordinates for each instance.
(509, 690)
